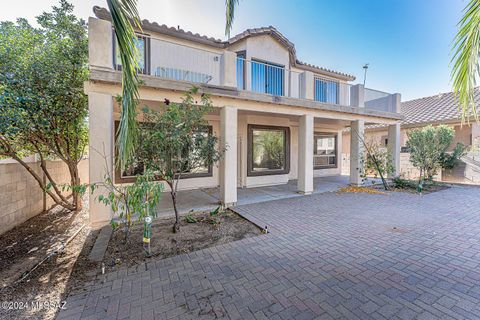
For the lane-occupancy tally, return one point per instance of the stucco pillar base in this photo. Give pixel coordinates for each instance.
(228, 205)
(305, 193)
(305, 155)
(228, 164)
(357, 152)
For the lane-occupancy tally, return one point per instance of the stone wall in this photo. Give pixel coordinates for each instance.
(21, 198)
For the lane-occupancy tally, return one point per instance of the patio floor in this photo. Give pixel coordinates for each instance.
(328, 256)
(208, 199)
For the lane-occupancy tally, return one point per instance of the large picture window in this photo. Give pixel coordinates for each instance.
(137, 168)
(268, 150)
(324, 150)
(143, 54)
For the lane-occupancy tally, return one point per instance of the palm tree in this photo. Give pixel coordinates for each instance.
(466, 52)
(125, 18)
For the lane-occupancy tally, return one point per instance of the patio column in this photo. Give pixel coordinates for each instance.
(305, 155)
(356, 151)
(394, 147)
(101, 133)
(228, 164)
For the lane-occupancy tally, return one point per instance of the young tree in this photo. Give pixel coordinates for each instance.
(427, 147)
(378, 161)
(177, 141)
(130, 202)
(43, 109)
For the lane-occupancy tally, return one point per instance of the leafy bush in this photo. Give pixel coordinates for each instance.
(448, 160)
(401, 183)
(132, 202)
(428, 146)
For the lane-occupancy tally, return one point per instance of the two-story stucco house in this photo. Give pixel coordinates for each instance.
(259, 89)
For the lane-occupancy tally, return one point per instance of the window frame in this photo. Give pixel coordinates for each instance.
(146, 54)
(119, 178)
(326, 135)
(286, 145)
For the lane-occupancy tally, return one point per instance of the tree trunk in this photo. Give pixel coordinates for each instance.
(176, 225)
(75, 183)
(58, 200)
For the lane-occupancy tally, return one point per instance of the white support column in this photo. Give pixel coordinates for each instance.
(228, 164)
(356, 151)
(394, 147)
(305, 155)
(101, 134)
(357, 96)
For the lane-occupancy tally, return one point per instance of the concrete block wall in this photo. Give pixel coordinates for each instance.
(21, 198)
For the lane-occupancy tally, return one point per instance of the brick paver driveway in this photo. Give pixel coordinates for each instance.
(350, 256)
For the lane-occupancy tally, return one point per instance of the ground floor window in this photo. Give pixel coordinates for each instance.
(325, 150)
(137, 168)
(268, 150)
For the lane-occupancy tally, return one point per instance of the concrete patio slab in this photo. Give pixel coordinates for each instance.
(208, 199)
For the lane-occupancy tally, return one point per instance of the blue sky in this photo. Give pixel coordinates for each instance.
(406, 42)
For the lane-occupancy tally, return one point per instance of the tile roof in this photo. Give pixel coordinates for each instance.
(103, 13)
(442, 107)
(437, 108)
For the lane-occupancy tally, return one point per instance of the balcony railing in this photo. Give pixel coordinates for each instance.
(181, 62)
(267, 78)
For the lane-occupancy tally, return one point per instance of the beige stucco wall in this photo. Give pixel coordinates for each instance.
(21, 198)
(375, 136)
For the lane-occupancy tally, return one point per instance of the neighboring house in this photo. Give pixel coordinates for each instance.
(439, 109)
(258, 87)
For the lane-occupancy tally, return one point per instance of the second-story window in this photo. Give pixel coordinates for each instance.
(267, 78)
(325, 90)
(143, 54)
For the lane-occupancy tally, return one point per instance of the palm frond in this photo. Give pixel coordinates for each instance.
(230, 6)
(123, 13)
(466, 52)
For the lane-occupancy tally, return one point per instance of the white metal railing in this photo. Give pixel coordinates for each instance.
(331, 91)
(263, 77)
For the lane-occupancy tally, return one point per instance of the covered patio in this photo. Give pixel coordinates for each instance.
(209, 198)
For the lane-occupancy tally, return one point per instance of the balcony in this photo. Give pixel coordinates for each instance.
(195, 64)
